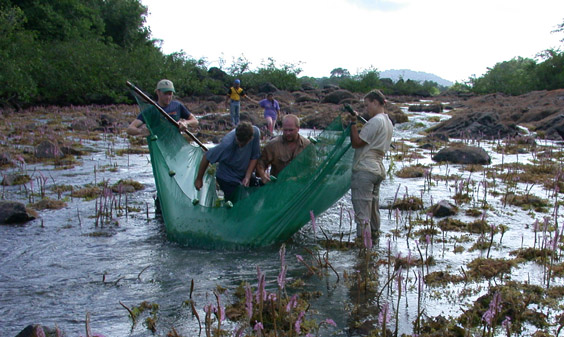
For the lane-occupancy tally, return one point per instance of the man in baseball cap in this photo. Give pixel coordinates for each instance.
(165, 86)
(165, 93)
(233, 101)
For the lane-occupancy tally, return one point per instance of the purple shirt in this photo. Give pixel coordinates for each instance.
(271, 108)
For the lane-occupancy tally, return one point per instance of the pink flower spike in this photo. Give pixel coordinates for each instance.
(331, 322)
(312, 216)
(249, 301)
(298, 323)
(258, 326)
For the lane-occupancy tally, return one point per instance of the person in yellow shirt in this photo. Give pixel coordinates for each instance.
(233, 101)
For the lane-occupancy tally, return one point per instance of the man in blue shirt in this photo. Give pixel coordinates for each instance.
(237, 155)
(177, 110)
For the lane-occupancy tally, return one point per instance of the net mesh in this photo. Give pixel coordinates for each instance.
(260, 216)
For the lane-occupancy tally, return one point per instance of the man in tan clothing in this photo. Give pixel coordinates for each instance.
(281, 150)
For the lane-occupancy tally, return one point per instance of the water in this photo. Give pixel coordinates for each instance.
(56, 269)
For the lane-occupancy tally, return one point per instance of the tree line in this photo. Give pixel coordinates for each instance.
(83, 51)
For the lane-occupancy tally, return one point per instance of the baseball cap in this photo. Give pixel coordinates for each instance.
(165, 86)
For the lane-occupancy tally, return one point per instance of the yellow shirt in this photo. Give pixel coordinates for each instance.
(235, 94)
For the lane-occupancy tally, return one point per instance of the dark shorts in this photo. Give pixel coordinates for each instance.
(227, 187)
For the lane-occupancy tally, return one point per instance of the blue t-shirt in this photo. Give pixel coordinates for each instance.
(175, 110)
(234, 160)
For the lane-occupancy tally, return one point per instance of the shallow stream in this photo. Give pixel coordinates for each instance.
(56, 269)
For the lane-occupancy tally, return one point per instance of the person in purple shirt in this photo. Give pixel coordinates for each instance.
(271, 111)
(237, 155)
(165, 92)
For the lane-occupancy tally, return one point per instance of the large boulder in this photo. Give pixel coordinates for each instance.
(463, 154)
(13, 212)
(48, 149)
(337, 96)
(302, 97)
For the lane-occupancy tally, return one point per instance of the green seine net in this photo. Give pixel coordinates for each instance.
(259, 216)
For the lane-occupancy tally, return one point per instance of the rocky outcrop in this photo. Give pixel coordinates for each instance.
(480, 124)
(463, 154)
(499, 115)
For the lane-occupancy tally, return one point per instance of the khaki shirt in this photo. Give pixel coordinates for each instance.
(278, 155)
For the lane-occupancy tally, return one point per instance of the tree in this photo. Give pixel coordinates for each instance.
(559, 29)
(514, 77)
(19, 58)
(124, 22)
(340, 73)
(550, 73)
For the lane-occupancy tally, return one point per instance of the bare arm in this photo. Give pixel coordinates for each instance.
(137, 128)
(250, 169)
(250, 99)
(192, 121)
(261, 172)
(356, 141)
(201, 170)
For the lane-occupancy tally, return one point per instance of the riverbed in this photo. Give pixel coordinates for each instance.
(65, 264)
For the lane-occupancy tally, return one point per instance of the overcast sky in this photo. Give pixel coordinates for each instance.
(453, 39)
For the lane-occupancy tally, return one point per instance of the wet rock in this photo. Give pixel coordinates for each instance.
(337, 96)
(443, 208)
(396, 115)
(13, 212)
(301, 97)
(37, 330)
(497, 115)
(479, 124)
(463, 154)
(82, 124)
(49, 150)
(434, 107)
(107, 124)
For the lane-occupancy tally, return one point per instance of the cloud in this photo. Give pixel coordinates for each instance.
(378, 5)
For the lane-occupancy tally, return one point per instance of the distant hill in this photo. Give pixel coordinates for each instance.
(406, 74)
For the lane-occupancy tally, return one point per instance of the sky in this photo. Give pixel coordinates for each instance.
(453, 39)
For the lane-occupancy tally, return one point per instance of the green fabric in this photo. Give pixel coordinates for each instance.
(260, 216)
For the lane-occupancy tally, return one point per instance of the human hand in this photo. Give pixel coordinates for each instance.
(350, 119)
(182, 126)
(198, 184)
(246, 182)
